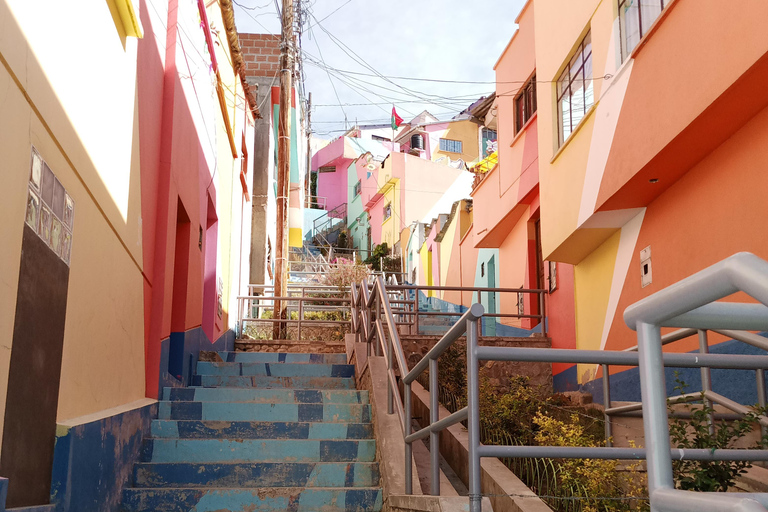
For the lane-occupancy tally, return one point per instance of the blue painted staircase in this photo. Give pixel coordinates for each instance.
(261, 432)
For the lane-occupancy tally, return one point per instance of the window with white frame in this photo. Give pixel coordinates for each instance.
(358, 188)
(451, 146)
(387, 211)
(635, 18)
(575, 93)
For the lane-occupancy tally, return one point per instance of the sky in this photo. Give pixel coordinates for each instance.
(347, 43)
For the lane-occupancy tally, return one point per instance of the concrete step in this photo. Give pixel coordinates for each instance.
(282, 357)
(259, 474)
(197, 429)
(274, 382)
(276, 369)
(257, 450)
(235, 394)
(253, 500)
(248, 411)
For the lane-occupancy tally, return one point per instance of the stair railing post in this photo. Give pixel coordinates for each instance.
(408, 447)
(391, 394)
(760, 381)
(434, 437)
(706, 379)
(301, 315)
(377, 317)
(473, 417)
(607, 405)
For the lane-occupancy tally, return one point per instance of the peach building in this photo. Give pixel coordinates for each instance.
(651, 125)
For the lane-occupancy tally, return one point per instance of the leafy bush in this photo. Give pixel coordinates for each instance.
(379, 255)
(709, 476)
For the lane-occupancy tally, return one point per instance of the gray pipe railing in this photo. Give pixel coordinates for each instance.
(689, 304)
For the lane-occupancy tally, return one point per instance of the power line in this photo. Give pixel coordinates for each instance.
(354, 56)
(331, 14)
(330, 80)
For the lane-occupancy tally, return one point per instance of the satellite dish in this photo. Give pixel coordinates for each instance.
(371, 167)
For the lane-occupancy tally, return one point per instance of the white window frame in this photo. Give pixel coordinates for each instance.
(450, 145)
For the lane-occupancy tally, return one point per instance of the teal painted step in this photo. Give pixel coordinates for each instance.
(263, 474)
(258, 450)
(282, 357)
(249, 411)
(275, 382)
(199, 429)
(234, 394)
(253, 500)
(276, 369)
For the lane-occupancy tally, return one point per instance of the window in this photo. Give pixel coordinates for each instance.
(575, 95)
(525, 104)
(50, 209)
(388, 211)
(489, 134)
(635, 18)
(358, 188)
(327, 168)
(451, 146)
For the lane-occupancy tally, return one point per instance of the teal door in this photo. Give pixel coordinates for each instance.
(490, 323)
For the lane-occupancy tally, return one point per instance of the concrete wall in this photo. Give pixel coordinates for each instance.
(130, 154)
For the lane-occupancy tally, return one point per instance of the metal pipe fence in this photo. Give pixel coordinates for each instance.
(252, 308)
(535, 304)
(691, 304)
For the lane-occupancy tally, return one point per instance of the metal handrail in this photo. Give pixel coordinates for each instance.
(414, 316)
(293, 302)
(467, 324)
(689, 304)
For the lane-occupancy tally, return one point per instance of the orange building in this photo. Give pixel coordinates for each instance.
(651, 126)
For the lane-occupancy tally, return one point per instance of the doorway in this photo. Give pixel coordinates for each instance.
(179, 301)
(490, 322)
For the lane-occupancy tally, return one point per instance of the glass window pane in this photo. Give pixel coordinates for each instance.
(45, 224)
(33, 210)
(589, 93)
(630, 25)
(58, 199)
(47, 188)
(565, 116)
(577, 99)
(649, 11)
(69, 212)
(587, 45)
(575, 64)
(37, 169)
(66, 246)
(563, 82)
(56, 231)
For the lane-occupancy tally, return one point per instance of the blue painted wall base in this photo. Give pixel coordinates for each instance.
(182, 349)
(738, 385)
(92, 462)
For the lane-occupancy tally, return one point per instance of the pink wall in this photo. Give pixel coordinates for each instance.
(333, 185)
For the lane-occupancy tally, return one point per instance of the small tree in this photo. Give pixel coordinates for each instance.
(705, 475)
(344, 273)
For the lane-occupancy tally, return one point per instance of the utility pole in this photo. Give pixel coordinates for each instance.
(283, 170)
(307, 177)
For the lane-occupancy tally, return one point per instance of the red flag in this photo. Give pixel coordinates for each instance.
(396, 119)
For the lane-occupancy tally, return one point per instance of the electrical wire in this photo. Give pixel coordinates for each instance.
(332, 84)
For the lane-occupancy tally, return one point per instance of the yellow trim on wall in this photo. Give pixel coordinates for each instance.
(592, 288)
(295, 238)
(131, 22)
